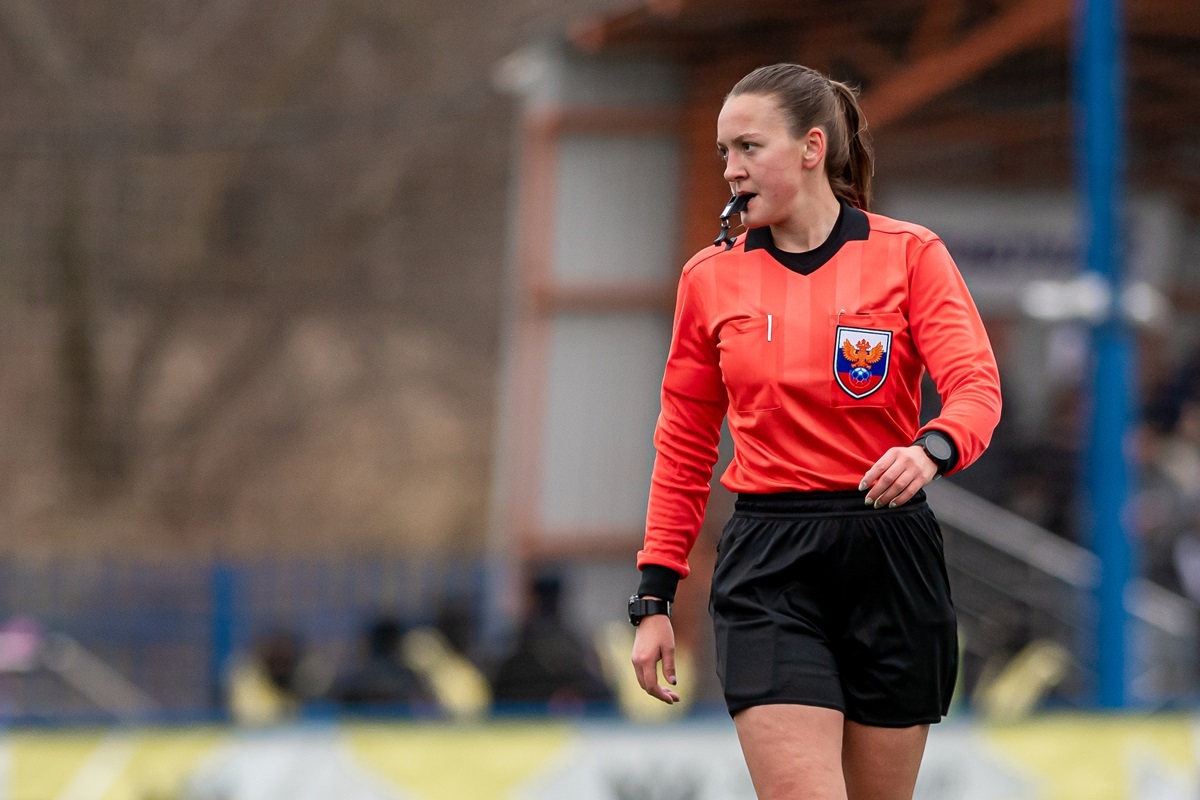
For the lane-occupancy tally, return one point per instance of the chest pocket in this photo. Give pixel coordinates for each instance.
(864, 371)
(750, 351)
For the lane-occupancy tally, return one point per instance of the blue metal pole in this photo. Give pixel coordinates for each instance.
(223, 588)
(1100, 120)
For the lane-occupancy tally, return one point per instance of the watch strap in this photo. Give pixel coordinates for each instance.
(642, 607)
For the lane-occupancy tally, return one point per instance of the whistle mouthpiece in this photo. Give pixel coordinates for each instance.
(736, 205)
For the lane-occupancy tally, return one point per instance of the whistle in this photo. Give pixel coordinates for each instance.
(736, 205)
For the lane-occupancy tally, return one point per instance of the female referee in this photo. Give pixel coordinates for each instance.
(835, 632)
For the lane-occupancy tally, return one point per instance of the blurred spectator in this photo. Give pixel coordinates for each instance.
(455, 618)
(1162, 512)
(382, 678)
(271, 682)
(1168, 491)
(1044, 471)
(1179, 456)
(989, 645)
(20, 642)
(459, 688)
(547, 663)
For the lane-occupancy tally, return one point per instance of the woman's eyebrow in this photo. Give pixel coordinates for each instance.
(740, 138)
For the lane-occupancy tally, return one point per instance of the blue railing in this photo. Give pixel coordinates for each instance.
(171, 628)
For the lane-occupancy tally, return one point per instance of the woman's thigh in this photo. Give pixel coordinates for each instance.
(793, 751)
(882, 763)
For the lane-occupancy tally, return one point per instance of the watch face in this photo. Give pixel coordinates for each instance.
(938, 447)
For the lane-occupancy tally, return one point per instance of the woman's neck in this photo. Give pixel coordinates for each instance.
(809, 225)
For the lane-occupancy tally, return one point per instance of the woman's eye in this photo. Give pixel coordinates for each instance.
(747, 145)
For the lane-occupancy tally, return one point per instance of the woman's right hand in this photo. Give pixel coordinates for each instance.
(655, 642)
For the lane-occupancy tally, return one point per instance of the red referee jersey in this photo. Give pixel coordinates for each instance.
(817, 359)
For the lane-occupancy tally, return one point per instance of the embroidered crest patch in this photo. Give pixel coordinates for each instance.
(860, 360)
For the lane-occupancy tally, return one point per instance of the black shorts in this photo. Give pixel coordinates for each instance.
(818, 599)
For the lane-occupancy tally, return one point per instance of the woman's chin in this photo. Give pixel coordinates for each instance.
(753, 219)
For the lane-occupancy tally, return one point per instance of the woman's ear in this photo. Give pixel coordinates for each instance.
(813, 148)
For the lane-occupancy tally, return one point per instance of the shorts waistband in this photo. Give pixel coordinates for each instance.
(812, 502)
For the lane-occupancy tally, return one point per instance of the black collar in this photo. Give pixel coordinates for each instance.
(852, 226)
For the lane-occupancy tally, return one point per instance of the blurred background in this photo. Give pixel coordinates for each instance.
(331, 334)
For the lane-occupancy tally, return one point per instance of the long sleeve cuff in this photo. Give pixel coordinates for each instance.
(658, 581)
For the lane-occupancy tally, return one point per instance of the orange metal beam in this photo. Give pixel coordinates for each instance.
(1023, 126)
(1016, 27)
(539, 153)
(594, 33)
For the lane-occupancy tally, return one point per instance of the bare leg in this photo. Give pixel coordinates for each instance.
(793, 752)
(882, 763)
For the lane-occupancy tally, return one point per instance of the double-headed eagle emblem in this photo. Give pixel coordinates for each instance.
(861, 355)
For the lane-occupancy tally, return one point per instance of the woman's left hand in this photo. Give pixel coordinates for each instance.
(897, 476)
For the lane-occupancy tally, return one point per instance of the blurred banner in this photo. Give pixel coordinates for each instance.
(1069, 757)
(1039, 238)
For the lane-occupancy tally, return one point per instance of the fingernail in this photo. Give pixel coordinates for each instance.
(878, 504)
(862, 485)
(868, 501)
(672, 680)
(892, 504)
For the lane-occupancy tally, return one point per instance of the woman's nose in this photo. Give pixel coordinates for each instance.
(733, 169)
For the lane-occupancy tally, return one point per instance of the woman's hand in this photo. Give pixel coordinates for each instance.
(654, 642)
(897, 476)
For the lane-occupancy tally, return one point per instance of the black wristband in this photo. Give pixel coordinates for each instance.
(658, 581)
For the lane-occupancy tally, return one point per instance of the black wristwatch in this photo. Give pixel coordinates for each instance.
(939, 447)
(640, 607)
